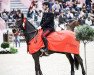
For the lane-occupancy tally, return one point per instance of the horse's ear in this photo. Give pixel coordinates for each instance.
(79, 20)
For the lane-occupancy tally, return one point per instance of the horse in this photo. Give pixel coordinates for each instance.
(31, 33)
(71, 25)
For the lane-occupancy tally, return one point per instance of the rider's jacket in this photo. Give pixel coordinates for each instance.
(47, 20)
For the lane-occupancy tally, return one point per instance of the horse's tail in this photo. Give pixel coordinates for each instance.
(76, 63)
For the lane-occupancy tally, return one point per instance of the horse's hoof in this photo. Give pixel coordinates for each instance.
(72, 73)
(46, 53)
(84, 73)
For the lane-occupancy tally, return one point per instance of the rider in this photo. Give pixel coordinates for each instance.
(47, 24)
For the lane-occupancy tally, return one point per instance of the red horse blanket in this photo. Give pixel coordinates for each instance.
(61, 41)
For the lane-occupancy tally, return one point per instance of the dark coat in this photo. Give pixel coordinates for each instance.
(61, 19)
(47, 20)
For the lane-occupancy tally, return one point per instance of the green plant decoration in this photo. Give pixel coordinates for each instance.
(13, 50)
(85, 34)
(5, 45)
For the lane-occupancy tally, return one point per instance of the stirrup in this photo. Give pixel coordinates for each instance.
(46, 53)
(41, 54)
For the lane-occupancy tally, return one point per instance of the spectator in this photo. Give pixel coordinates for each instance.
(62, 18)
(5, 16)
(64, 4)
(81, 14)
(88, 21)
(88, 3)
(12, 15)
(56, 8)
(91, 15)
(92, 7)
(75, 4)
(16, 35)
(79, 6)
(19, 15)
(33, 11)
(69, 15)
(84, 7)
(39, 18)
(5, 12)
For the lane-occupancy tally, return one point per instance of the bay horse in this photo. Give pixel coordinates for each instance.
(71, 25)
(30, 32)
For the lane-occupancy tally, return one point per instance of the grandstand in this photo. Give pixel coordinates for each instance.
(16, 4)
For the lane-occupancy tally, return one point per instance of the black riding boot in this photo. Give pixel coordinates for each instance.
(46, 46)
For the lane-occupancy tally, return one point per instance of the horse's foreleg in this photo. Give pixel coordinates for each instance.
(37, 64)
(80, 62)
(71, 60)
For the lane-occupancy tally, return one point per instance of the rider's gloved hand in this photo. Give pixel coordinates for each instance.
(39, 28)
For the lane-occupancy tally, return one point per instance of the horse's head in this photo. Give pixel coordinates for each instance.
(25, 25)
(72, 25)
(28, 29)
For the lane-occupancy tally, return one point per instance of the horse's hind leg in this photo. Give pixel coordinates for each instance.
(71, 60)
(81, 63)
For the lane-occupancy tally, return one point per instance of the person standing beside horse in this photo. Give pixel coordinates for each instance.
(16, 35)
(47, 24)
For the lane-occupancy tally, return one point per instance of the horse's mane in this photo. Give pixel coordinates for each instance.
(29, 30)
(74, 23)
(30, 23)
